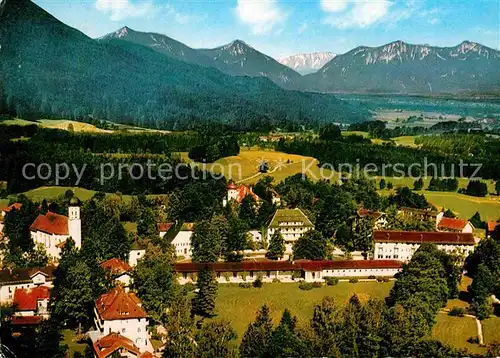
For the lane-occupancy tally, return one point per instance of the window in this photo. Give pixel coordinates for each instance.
(124, 330)
(235, 274)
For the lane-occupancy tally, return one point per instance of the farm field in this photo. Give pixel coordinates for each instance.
(244, 168)
(239, 305)
(455, 331)
(491, 330)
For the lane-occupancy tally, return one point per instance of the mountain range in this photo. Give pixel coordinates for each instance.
(50, 69)
(397, 67)
(305, 63)
(404, 68)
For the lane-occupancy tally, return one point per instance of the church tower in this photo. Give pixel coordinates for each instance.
(74, 223)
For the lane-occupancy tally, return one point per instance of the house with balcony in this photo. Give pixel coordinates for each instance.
(291, 223)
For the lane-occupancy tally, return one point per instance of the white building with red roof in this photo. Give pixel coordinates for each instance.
(455, 225)
(116, 343)
(118, 270)
(401, 245)
(238, 193)
(121, 312)
(31, 305)
(52, 230)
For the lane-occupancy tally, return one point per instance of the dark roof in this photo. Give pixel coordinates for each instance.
(371, 213)
(416, 237)
(268, 265)
(25, 320)
(24, 274)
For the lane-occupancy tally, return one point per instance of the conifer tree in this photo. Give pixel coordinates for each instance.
(257, 340)
(276, 247)
(204, 301)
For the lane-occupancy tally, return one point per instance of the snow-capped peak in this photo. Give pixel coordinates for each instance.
(307, 62)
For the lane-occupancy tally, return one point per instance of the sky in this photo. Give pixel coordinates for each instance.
(281, 28)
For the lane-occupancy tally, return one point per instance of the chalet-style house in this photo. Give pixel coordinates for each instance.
(52, 230)
(182, 241)
(288, 271)
(137, 252)
(30, 305)
(23, 278)
(115, 344)
(163, 228)
(292, 224)
(121, 312)
(118, 271)
(454, 225)
(401, 245)
(379, 218)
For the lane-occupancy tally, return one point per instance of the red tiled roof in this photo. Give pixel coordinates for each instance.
(243, 191)
(25, 320)
(116, 266)
(27, 299)
(492, 225)
(232, 186)
(147, 355)
(51, 223)
(164, 227)
(268, 265)
(374, 214)
(118, 304)
(415, 237)
(16, 206)
(452, 224)
(109, 344)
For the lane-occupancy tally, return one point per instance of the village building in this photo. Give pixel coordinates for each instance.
(379, 218)
(137, 252)
(401, 245)
(121, 312)
(287, 271)
(52, 230)
(182, 241)
(421, 214)
(291, 223)
(239, 193)
(118, 270)
(163, 228)
(30, 305)
(115, 343)
(23, 278)
(454, 225)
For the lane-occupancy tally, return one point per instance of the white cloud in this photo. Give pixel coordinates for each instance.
(261, 15)
(334, 5)
(122, 9)
(361, 14)
(434, 21)
(303, 28)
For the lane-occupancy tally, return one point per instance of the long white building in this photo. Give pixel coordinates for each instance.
(401, 245)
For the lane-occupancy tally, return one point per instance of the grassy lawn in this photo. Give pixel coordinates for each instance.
(69, 340)
(491, 330)
(4, 203)
(130, 226)
(455, 331)
(245, 166)
(239, 305)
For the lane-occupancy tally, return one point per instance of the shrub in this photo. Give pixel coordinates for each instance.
(243, 275)
(245, 285)
(372, 277)
(331, 281)
(382, 279)
(317, 284)
(258, 282)
(457, 311)
(353, 280)
(276, 280)
(296, 275)
(306, 286)
(227, 276)
(473, 340)
(190, 286)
